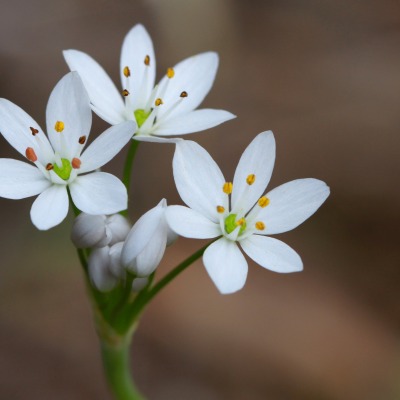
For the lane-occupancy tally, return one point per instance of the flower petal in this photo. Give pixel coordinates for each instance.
(142, 233)
(292, 203)
(107, 146)
(194, 121)
(198, 179)
(89, 231)
(15, 126)
(50, 208)
(258, 159)
(272, 254)
(226, 265)
(136, 46)
(19, 180)
(191, 224)
(99, 193)
(195, 76)
(99, 272)
(68, 104)
(103, 94)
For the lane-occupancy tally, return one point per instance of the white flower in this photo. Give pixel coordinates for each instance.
(59, 161)
(100, 270)
(146, 242)
(239, 212)
(99, 230)
(165, 110)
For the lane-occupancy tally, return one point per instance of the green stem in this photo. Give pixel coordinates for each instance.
(116, 367)
(151, 293)
(126, 175)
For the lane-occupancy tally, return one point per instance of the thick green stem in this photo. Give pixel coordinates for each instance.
(126, 176)
(117, 369)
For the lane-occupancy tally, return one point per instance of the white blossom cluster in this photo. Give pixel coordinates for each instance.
(233, 213)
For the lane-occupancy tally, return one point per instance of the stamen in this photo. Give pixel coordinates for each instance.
(127, 71)
(49, 166)
(170, 73)
(240, 222)
(147, 60)
(76, 163)
(184, 94)
(251, 179)
(227, 188)
(260, 225)
(125, 93)
(263, 201)
(30, 154)
(34, 131)
(158, 102)
(82, 140)
(220, 209)
(59, 126)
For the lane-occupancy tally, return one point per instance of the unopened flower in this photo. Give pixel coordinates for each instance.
(239, 212)
(99, 270)
(58, 160)
(146, 242)
(99, 230)
(165, 110)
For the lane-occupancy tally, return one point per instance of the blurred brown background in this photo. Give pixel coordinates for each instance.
(325, 77)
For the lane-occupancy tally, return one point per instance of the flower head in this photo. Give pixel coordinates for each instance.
(163, 110)
(239, 212)
(59, 160)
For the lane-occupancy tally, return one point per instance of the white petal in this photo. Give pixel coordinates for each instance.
(68, 103)
(136, 46)
(99, 193)
(102, 92)
(272, 254)
(193, 121)
(89, 231)
(149, 259)
(155, 139)
(19, 180)
(257, 159)
(198, 179)
(115, 265)
(194, 75)
(50, 208)
(141, 233)
(106, 146)
(292, 203)
(226, 265)
(15, 126)
(191, 224)
(99, 273)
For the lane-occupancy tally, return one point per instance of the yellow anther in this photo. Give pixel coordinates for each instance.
(82, 140)
(30, 154)
(147, 60)
(127, 72)
(260, 225)
(170, 73)
(76, 163)
(158, 102)
(49, 166)
(59, 126)
(220, 209)
(34, 131)
(263, 201)
(250, 179)
(125, 93)
(240, 222)
(184, 94)
(227, 188)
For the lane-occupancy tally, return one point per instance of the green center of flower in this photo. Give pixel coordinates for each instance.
(64, 171)
(141, 116)
(231, 224)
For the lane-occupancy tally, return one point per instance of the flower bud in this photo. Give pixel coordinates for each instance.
(115, 266)
(139, 283)
(99, 271)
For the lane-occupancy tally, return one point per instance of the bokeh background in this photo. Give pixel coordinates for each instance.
(324, 75)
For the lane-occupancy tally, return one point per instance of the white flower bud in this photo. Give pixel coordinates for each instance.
(99, 272)
(139, 283)
(145, 244)
(91, 231)
(115, 266)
